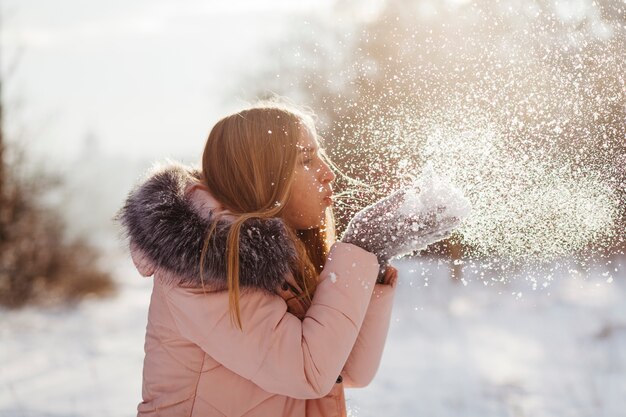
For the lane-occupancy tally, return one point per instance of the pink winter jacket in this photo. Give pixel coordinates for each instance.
(285, 362)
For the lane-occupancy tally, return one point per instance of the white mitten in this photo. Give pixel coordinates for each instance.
(409, 219)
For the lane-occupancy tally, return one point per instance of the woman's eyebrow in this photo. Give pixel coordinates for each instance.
(307, 149)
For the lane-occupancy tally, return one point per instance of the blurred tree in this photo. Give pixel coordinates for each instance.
(38, 262)
(2, 167)
(2, 233)
(550, 75)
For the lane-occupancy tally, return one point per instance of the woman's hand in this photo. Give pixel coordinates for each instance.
(389, 277)
(408, 220)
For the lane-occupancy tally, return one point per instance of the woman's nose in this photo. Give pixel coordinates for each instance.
(326, 174)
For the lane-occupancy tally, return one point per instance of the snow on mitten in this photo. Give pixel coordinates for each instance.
(408, 220)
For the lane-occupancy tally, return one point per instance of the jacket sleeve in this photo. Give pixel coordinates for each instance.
(365, 357)
(275, 350)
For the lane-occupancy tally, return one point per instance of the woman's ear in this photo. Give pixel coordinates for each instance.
(203, 201)
(197, 184)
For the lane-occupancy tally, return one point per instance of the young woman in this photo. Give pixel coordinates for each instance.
(256, 310)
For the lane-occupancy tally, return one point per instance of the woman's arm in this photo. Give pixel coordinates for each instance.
(275, 350)
(365, 357)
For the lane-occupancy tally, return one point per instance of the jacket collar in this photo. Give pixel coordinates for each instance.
(167, 218)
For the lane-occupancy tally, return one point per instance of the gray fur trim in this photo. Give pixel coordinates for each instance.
(164, 225)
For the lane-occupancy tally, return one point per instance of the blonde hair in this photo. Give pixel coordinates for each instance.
(248, 165)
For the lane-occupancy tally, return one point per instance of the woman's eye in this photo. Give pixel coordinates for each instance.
(307, 161)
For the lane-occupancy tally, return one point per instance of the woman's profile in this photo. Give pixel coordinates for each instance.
(257, 309)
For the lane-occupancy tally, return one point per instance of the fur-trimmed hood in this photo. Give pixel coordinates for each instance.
(168, 226)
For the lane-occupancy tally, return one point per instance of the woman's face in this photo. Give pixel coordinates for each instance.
(311, 190)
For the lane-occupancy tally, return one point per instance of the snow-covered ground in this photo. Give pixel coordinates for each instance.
(453, 349)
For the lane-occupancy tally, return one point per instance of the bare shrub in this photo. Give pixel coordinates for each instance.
(38, 263)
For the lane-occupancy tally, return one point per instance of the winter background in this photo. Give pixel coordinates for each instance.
(98, 91)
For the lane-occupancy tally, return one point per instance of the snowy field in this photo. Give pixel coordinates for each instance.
(453, 349)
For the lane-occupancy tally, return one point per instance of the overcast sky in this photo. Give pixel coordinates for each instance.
(144, 77)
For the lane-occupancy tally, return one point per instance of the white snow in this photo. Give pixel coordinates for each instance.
(333, 277)
(453, 349)
(432, 191)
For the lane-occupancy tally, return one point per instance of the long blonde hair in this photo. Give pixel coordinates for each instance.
(248, 165)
